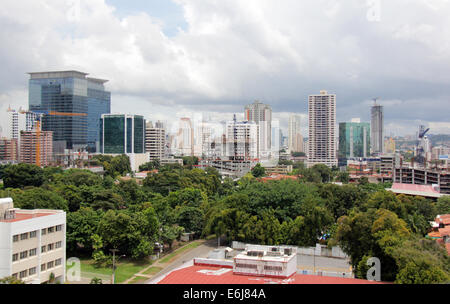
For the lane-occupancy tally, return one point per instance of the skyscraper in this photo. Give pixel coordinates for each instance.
(70, 92)
(28, 147)
(376, 138)
(261, 114)
(354, 139)
(322, 129)
(295, 136)
(185, 138)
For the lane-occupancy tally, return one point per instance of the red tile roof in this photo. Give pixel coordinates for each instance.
(216, 275)
(278, 177)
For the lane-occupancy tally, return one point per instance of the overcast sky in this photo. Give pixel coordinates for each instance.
(166, 59)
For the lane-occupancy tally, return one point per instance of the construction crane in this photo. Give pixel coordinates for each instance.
(39, 115)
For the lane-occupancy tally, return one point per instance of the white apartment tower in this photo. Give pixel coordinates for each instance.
(242, 142)
(32, 243)
(155, 141)
(322, 129)
(261, 114)
(295, 136)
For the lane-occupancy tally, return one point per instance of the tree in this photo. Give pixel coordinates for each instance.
(22, 175)
(443, 205)
(324, 172)
(39, 198)
(81, 225)
(258, 171)
(96, 281)
(298, 154)
(343, 177)
(11, 280)
(191, 219)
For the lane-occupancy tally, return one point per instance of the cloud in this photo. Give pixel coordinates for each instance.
(233, 52)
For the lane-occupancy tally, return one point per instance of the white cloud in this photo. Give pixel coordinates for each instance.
(233, 52)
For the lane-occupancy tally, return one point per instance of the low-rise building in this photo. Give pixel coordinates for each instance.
(32, 243)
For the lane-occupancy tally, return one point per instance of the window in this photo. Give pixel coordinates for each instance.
(43, 249)
(32, 271)
(58, 244)
(58, 262)
(51, 229)
(43, 267)
(50, 247)
(50, 264)
(15, 257)
(14, 275)
(273, 268)
(33, 252)
(23, 274)
(251, 266)
(23, 255)
(16, 238)
(59, 228)
(32, 234)
(44, 231)
(23, 236)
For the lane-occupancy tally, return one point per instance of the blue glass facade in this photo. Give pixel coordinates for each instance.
(70, 92)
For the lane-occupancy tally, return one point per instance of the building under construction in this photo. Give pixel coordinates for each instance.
(36, 147)
(418, 176)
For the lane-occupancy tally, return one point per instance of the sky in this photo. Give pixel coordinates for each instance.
(166, 59)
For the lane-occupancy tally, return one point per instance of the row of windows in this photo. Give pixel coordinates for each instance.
(251, 266)
(33, 234)
(50, 247)
(33, 252)
(32, 271)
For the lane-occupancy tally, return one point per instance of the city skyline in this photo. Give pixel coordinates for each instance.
(177, 58)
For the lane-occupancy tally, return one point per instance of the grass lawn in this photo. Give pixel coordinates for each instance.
(137, 280)
(178, 251)
(153, 270)
(125, 268)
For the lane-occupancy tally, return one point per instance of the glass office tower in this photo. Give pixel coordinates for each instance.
(122, 134)
(82, 100)
(354, 139)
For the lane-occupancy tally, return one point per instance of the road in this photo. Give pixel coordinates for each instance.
(185, 259)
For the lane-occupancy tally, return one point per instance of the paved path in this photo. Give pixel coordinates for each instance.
(185, 259)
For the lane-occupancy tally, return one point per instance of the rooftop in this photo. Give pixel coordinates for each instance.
(419, 190)
(218, 275)
(23, 215)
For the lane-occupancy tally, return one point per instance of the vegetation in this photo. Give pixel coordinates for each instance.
(105, 213)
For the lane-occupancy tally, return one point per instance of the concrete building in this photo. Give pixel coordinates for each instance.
(377, 129)
(32, 243)
(70, 92)
(155, 141)
(9, 150)
(295, 135)
(261, 114)
(124, 134)
(29, 147)
(242, 140)
(13, 123)
(322, 129)
(420, 176)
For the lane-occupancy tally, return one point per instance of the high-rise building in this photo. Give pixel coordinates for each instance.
(155, 141)
(9, 150)
(70, 92)
(376, 127)
(354, 139)
(29, 147)
(33, 243)
(295, 136)
(13, 117)
(322, 129)
(185, 138)
(242, 142)
(261, 114)
(124, 134)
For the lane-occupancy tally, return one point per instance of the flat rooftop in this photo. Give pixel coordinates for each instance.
(219, 275)
(23, 215)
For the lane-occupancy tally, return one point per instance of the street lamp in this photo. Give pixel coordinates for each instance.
(114, 264)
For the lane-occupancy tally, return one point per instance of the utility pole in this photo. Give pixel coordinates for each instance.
(114, 264)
